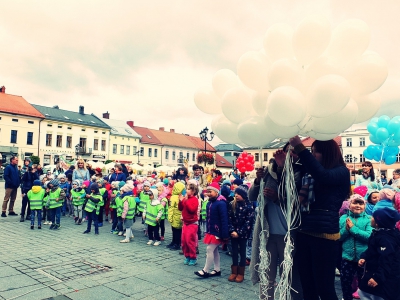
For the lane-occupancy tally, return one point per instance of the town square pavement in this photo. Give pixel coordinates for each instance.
(65, 264)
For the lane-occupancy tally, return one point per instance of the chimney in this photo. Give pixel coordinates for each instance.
(172, 130)
(106, 115)
(130, 123)
(161, 129)
(3, 89)
(81, 110)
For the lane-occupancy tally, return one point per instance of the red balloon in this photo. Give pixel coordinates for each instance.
(251, 169)
(246, 159)
(244, 154)
(249, 166)
(239, 165)
(242, 169)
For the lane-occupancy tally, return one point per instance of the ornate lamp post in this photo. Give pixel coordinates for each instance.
(203, 136)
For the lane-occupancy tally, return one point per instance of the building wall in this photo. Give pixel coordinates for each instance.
(64, 129)
(156, 155)
(22, 125)
(192, 153)
(266, 155)
(123, 154)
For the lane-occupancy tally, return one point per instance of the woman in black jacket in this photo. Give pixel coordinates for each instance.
(325, 186)
(27, 182)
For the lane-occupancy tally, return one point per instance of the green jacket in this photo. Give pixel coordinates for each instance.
(355, 240)
(57, 194)
(35, 196)
(152, 212)
(112, 202)
(132, 207)
(91, 205)
(78, 198)
(174, 214)
(143, 201)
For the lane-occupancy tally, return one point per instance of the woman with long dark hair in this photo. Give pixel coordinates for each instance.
(324, 187)
(367, 178)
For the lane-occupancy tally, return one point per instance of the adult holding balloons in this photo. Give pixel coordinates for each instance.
(367, 178)
(325, 186)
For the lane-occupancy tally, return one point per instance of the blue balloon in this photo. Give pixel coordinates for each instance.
(392, 151)
(383, 121)
(367, 154)
(374, 120)
(372, 127)
(374, 139)
(391, 159)
(393, 143)
(393, 126)
(382, 134)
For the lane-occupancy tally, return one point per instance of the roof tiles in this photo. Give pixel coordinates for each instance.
(173, 139)
(17, 105)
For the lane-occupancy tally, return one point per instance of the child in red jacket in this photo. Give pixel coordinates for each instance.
(189, 206)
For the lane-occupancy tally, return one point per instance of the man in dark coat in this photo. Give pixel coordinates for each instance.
(12, 182)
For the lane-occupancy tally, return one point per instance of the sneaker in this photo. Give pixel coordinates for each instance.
(110, 221)
(52, 226)
(120, 233)
(193, 262)
(96, 232)
(247, 261)
(181, 252)
(39, 227)
(125, 241)
(22, 219)
(28, 218)
(170, 245)
(337, 272)
(49, 223)
(32, 227)
(115, 232)
(57, 227)
(11, 213)
(150, 242)
(100, 225)
(355, 295)
(46, 223)
(197, 250)
(86, 231)
(162, 238)
(175, 247)
(3, 215)
(157, 243)
(186, 261)
(112, 231)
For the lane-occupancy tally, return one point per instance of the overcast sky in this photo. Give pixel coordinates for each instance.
(143, 60)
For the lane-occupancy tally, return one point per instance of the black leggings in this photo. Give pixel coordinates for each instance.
(239, 247)
(162, 226)
(176, 236)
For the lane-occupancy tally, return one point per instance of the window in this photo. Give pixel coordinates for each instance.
(134, 150)
(96, 144)
(141, 151)
(69, 142)
(59, 141)
(193, 157)
(29, 122)
(362, 141)
(349, 142)
(59, 126)
(362, 158)
(14, 120)
(114, 148)
(180, 154)
(227, 154)
(257, 157)
(83, 129)
(82, 144)
(398, 158)
(96, 131)
(265, 158)
(150, 152)
(128, 150)
(166, 154)
(103, 132)
(173, 155)
(49, 125)
(49, 138)
(29, 138)
(121, 149)
(103, 145)
(348, 158)
(155, 152)
(187, 156)
(69, 128)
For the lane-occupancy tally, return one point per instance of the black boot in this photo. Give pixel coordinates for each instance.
(22, 218)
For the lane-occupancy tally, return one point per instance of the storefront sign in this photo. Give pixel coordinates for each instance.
(99, 156)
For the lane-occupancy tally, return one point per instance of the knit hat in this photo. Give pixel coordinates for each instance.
(146, 183)
(214, 187)
(226, 182)
(37, 183)
(121, 184)
(194, 181)
(27, 159)
(59, 176)
(100, 181)
(54, 182)
(98, 170)
(155, 193)
(115, 184)
(225, 191)
(238, 182)
(126, 188)
(386, 217)
(41, 177)
(166, 181)
(94, 187)
(242, 190)
(76, 182)
(86, 183)
(387, 194)
(361, 190)
(356, 197)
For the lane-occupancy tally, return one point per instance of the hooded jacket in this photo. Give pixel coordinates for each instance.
(174, 214)
(382, 263)
(217, 217)
(11, 177)
(35, 196)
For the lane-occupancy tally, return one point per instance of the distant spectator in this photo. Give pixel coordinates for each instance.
(12, 182)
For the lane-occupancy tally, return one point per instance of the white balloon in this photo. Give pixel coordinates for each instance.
(226, 130)
(278, 42)
(306, 126)
(253, 132)
(311, 38)
(259, 102)
(337, 122)
(368, 105)
(286, 72)
(321, 67)
(322, 136)
(224, 80)
(286, 106)
(349, 40)
(252, 69)
(236, 105)
(328, 95)
(207, 101)
(278, 130)
(368, 73)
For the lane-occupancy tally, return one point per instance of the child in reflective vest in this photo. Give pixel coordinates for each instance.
(35, 197)
(126, 207)
(91, 206)
(152, 215)
(55, 199)
(162, 196)
(103, 193)
(113, 206)
(78, 198)
(144, 199)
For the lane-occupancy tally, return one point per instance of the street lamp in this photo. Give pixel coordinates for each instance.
(354, 161)
(204, 137)
(77, 151)
(138, 153)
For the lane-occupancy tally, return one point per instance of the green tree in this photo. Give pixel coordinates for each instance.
(35, 159)
(108, 161)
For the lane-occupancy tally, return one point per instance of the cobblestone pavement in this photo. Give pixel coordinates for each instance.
(65, 264)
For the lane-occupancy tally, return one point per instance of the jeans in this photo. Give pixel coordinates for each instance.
(10, 195)
(92, 216)
(39, 216)
(238, 247)
(153, 232)
(55, 215)
(317, 262)
(78, 213)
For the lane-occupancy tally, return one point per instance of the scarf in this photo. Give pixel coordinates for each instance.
(306, 194)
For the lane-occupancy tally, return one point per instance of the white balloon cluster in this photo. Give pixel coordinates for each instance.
(311, 81)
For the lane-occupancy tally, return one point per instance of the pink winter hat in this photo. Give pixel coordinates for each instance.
(387, 194)
(361, 190)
